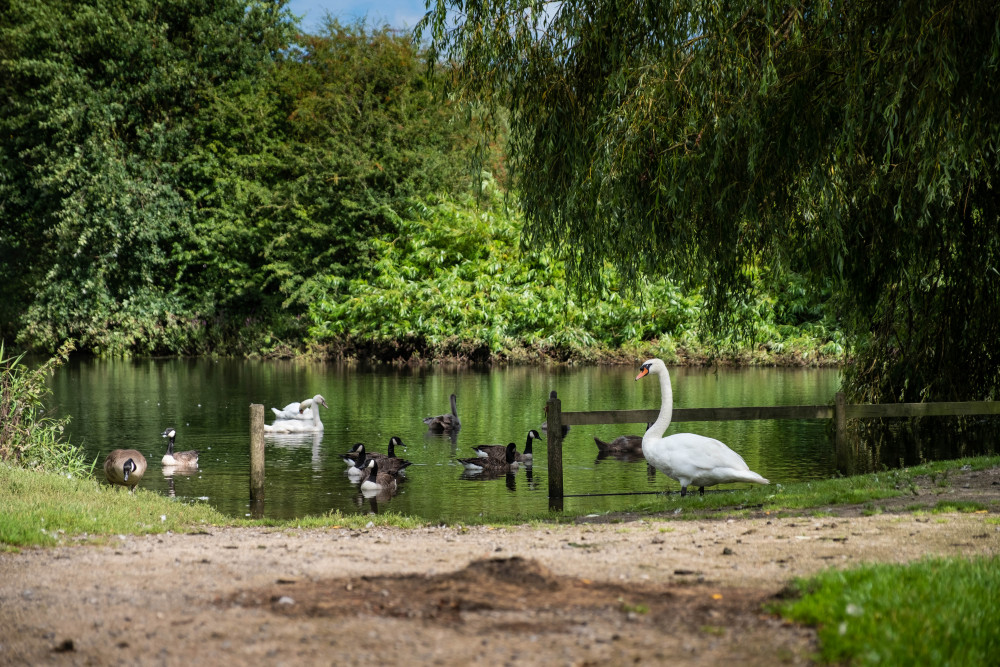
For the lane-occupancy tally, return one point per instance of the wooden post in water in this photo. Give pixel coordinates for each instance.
(840, 433)
(256, 460)
(553, 423)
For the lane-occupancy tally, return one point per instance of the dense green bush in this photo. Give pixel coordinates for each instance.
(455, 281)
(176, 176)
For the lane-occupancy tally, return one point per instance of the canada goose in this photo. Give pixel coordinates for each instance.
(378, 479)
(125, 467)
(687, 457)
(282, 425)
(622, 444)
(358, 451)
(445, 423)
(296, 410)
(357, 458)
(488, 463)
(188, 459)
(395, 467)
(500, 451)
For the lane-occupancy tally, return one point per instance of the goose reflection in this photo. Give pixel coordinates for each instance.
(435, 438)
(510, 476)
(377, 497)
(628, 457)
(169, 472)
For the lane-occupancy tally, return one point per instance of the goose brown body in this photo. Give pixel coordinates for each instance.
(188, 459)
(500, 451)
(445, 423)
(125, 467)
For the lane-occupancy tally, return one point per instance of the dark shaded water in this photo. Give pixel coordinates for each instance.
(118, 404)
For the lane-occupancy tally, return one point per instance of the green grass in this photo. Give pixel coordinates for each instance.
(47, 509)
(816, 496)
(931, 612)
(39, 508)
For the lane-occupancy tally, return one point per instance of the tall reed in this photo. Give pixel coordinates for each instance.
(29, 437)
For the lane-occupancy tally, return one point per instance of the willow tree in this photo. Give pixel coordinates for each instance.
(856, 142)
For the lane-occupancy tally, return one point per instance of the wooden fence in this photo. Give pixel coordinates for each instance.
(839, 412)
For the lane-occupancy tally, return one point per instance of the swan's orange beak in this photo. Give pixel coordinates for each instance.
(642, 373)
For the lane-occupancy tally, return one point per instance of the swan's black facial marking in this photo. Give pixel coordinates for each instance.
(643, 371)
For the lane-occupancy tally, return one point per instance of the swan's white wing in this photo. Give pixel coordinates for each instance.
(295, 410)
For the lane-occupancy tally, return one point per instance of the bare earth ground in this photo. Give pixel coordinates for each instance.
(644, 590)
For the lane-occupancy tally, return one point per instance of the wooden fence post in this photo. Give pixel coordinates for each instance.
(553, 423)
(257, 461)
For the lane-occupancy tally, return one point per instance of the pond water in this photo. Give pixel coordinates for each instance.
(128, 404)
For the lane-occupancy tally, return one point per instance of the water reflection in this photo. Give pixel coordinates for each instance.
(488, 475)
(299, 440)
(170, 472)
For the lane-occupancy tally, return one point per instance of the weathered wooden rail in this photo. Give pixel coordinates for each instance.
(839, 412)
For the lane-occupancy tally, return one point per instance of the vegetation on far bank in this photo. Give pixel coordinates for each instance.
(453, 281)
(230, 186)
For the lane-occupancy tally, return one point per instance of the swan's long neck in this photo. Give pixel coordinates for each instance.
(454, 407)
(314, 406)
(659, 427)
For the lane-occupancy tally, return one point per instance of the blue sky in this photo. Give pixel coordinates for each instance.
(396, 13)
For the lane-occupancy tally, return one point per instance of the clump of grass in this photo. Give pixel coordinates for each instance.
(336, 519)
(965, 506)
(29, 436)
(931, 612)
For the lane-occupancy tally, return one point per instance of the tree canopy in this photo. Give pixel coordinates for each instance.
(855, 142)
(178, 176)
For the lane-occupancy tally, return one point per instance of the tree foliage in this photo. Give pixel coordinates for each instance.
(453, 281)
(854, 142)
(98, 102)
(178, 176)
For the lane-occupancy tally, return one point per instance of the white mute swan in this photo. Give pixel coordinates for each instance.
(300, 425)
(296, 410)
(687, 457)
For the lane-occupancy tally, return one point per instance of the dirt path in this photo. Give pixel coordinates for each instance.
(647, 590)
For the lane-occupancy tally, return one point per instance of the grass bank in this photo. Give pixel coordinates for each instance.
(49, 509)
(932, 612)
(46, 509)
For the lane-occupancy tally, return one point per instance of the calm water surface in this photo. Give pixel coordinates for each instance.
(119, 404)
